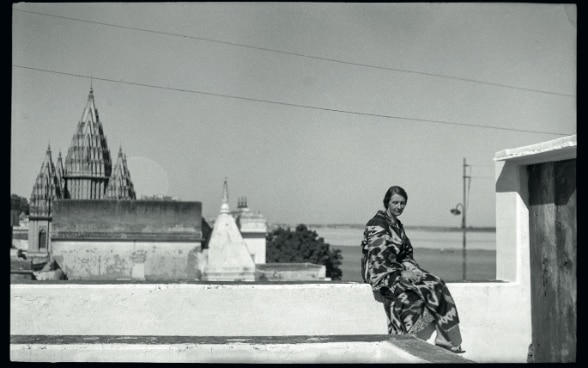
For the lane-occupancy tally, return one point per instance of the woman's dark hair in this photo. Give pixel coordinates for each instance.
(394, 190)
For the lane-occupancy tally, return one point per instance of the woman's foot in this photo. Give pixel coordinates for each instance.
(457, 350)
(453, 349)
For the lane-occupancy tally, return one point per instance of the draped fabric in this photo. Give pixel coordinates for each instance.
(410, 306)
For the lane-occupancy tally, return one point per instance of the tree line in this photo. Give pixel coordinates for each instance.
(18, 203)
(303, 245)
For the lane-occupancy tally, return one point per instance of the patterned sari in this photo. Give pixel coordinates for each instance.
(410, 306)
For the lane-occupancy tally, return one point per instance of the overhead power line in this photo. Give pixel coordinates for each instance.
(298, 54)
(289, 104)
(286, 103)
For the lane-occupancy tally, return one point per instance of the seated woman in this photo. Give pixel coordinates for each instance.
(416, 301)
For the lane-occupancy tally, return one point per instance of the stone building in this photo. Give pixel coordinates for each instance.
(111, 239)
(253, 228)
(87, 174)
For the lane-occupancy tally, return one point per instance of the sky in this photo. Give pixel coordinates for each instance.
(310, 110)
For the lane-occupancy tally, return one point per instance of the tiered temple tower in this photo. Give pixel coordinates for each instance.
(120, 185)
(47, 188)
(88, 165)
(87, 174)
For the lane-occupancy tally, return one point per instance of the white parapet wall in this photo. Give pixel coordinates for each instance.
(494, 317)
(512, 196)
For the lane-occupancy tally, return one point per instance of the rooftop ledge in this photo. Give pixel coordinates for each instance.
(555, 150)
(196, 283)
(229, 349)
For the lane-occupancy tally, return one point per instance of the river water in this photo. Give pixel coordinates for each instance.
(419, 237)
(437, 251)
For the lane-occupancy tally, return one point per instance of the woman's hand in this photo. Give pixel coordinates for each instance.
(420, 275)
(413, 276)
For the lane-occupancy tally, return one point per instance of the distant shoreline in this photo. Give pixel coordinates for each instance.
(357, 226)
(426, 249)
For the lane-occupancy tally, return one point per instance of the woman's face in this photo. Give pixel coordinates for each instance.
(396, 205)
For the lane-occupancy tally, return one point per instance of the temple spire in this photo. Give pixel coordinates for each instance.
(228, 257)
(90, 111)
(225, 204)
(60, 173)
(88, 165)
(120, 185)
(46, 187)
(48, 158)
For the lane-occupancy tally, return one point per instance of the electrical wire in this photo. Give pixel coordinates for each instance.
(236, 44)
(291, 104)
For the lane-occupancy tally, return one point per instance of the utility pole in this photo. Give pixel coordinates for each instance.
(463, 217)
(456, 212)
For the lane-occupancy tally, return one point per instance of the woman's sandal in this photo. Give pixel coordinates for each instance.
(453, 349)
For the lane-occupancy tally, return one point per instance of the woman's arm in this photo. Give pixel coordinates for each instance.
(412, 269)
(408, 260)
(383, 269)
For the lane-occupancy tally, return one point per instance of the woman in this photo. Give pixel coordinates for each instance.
(416, 301)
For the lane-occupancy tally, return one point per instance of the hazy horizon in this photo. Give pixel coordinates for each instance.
(358, 225)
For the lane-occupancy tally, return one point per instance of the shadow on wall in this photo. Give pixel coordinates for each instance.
(508, 181)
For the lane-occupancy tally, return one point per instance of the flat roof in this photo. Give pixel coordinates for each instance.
(555, 150)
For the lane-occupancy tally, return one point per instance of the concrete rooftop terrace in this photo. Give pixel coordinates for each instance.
(229, 349)
(260, 322)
